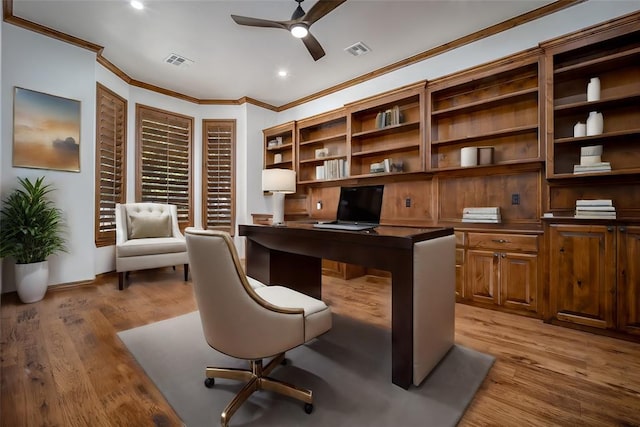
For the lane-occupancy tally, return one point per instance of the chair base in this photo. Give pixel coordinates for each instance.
(257, 379)
(123, 277)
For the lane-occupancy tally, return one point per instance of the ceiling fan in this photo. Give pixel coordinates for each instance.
(299, 23)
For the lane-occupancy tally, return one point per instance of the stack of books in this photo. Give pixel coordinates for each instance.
(595, 209)
(590, 161)
(484, 214)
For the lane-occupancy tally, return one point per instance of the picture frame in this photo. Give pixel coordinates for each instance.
(46, 131)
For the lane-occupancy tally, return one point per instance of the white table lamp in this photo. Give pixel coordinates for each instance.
(279, 182)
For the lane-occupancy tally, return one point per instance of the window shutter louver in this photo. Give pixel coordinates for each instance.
(111, 137)
(164, 160)
(218, 175)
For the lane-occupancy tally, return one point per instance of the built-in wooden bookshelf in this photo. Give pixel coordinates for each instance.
(279, 146)
(401, 139)
(322, 140)
(494, 105)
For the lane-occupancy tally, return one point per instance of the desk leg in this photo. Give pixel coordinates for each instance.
(402, 325)
(300, 272)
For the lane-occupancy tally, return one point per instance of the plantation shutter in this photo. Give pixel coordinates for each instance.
(111, 140)
(218, 176)
(164, 159)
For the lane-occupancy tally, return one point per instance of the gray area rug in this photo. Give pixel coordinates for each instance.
(348, 369)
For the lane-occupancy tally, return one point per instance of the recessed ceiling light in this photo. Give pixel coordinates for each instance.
(136, 4)
(283, 73)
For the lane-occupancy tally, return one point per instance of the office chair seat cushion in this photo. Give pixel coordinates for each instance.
(317, 315)
(255, 284)
(151, 246)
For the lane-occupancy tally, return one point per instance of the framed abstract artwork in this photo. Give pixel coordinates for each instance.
(46, 131)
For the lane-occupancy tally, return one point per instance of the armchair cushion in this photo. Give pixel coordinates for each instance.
(151, 246)
(150, 225)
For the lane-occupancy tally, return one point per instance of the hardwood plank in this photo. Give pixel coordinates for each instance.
(79, 373)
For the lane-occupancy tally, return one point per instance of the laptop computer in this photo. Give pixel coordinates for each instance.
(358, 209)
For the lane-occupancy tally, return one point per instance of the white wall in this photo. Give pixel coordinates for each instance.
(36, 62)
(43, 64)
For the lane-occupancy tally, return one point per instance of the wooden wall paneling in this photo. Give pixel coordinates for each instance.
(418, 195)
(327, 199)
(457, 191)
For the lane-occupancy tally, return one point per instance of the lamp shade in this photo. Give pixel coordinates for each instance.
(279, 180)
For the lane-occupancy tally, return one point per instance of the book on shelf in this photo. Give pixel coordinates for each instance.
(389, 117)
(482, 210)
(594, 202)
(585, 216)
(483, 220)
(595, 208)
(320, 172)
(596, 167)
(481, 216)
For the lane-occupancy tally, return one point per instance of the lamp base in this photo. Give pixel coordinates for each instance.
(278, 209)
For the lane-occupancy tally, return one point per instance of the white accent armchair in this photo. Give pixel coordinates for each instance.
(148, 236)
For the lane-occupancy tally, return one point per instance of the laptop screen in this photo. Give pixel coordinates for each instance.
(360, 204)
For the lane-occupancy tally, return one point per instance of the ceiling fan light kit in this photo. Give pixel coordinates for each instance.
(298, 25)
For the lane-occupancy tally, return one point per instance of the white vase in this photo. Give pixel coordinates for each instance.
(595, 123)
(32, 281)
(469, 156)
(580, 129)
(593, 90)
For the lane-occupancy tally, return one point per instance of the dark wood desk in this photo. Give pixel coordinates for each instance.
(292, 256)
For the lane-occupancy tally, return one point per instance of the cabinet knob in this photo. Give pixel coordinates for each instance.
(579, 283)
(504, 255)
(623, 230)
(495, 255)
(561, 250)
(610, 229)
(499, 241)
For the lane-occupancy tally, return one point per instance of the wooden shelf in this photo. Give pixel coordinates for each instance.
(615, 172)
(619, 57)
(280, 147)
(598, 138)
(499, 133)
(338, 137)
(320, 160)
(387, 130)
(596, 105)
(397, 149)
(485, 103)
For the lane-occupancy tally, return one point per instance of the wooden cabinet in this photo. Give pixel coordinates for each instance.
(399, 138)
(612, 54)
(628, 279)
(582, 274)
(279, 146)
(594, 275)
(322, 147)
(495, 105)
(502, 270)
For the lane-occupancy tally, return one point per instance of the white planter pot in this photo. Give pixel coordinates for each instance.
(32, 281)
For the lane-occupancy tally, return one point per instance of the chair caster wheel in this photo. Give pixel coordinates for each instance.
(209, 382)
(308, 408)
(284, 362)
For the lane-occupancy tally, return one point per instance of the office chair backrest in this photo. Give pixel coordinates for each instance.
(235, 320)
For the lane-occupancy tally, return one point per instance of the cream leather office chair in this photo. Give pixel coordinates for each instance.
(148, 236)
(245, 319)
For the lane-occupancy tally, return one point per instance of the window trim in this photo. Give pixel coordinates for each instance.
(232, 124)
(108, 238)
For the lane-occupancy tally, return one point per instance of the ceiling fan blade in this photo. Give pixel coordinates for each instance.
(257, 22)
(320, 9)
(313, 46)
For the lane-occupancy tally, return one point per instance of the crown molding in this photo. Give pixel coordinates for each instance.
(489, 31)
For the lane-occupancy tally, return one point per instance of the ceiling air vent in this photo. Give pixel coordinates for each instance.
(177, 60)
(358, 49)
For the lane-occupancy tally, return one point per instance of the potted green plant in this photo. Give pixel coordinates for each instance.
(30, 231)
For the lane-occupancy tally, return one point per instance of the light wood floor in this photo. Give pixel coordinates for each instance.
(63, 365)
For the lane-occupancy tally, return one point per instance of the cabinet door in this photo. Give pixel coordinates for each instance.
(629, 279)
(582, 274)
(518, 281)
(482, 276)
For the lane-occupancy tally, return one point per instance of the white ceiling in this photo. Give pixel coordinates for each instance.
(232, 61)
